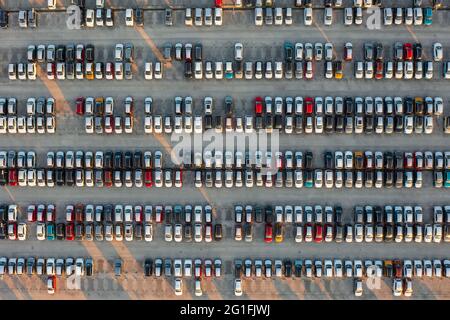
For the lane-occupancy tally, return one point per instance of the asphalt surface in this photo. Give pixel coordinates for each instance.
(259, 44)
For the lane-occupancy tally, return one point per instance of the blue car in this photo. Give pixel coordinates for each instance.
(427, 16)
(50, 231)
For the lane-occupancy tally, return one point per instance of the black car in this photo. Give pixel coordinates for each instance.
(3, 230)
(90, 53)
(218, 124)
(70, 70)
(268, 214)
(60, 231)
(338, 233)
(339, 124)
(108, 213)
(258, 122)
(32, 19)
(278, 123)
(70, 53)
(298, 124)
(308, 160)
(288, 70)
(118, 164)
(398, 124)
(379, 51)
(229, 105)
(329, 124)
(3, 19)
(269, 122)
(389, 179)
(167, 267)
(60, 53)
(60, 177)
(198, 52)
(388, 160)
(288, 52)
(288, 268)
(218, 232)
(368, 179)
(108, 160)
(409, 105)
(348, 105)
(417, 51)
(188, 232)
(138, 231)
(368, 51)
(70, 175)
(398, 179)
(139, 17)
(128, 160)
(369, 124)
(3, 177)
(137, 160)
(379, 216)
(298, 268)
(188, 70)
(389, 233)
(237, 268)
(259, 215)
(148, 267)
(398, 160)
(328, 160)
(79, 231)
(168, 17)
(208, 121)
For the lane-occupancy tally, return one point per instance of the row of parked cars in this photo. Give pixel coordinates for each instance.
(348, 160)
(46, 266)
(319, 232)
(408, 16)
(40, 116)
(184, 268)
(341, 268)
(400, 271)
(333, 214)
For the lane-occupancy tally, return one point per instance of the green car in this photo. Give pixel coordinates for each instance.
(50, 231)
(447, 179)
(288, 51)
(427, 16)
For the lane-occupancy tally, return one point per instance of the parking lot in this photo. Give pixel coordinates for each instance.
(260, 43)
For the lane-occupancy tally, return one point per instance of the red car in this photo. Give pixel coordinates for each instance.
(148, 178)
(70, 232)
(79, 213)
(80, 106)
(108, 178)
(218, 3)
(309, 105)
(379, 70)
(12, 177)
(407, 51)
(318, 233)
(397, 268)
(268, 234)
(258, 105)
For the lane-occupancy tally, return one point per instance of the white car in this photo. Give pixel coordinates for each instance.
(178, 287)
(129, 17)
(308, 16)
(437, 51)
(238, 287)
(238, 51)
